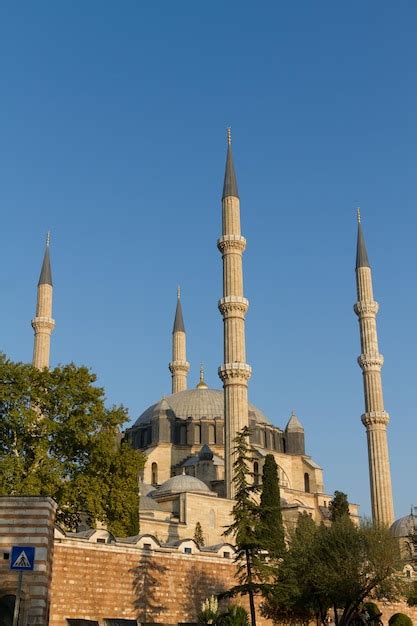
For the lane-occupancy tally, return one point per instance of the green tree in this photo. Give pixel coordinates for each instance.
(271, 530)
(198, 534)
(244, 528)
(337, 566)
(58, 439)
(339, 506)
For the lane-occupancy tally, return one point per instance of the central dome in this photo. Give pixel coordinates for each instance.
(197, 403)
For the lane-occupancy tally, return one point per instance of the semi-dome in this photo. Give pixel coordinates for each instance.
(181, 484)
(404, 526)
(197, 404)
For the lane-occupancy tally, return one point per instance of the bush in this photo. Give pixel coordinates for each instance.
(235, 616)
(373, 611)
(400, 619)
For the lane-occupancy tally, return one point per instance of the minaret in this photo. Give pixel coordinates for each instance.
(234, 372)
(179, 365)
(43, 324)
(375, 419)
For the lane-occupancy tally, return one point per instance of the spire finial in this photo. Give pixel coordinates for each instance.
(48, 238)
(229, 136)
(202, 383)
(358, 215)
(178, 292)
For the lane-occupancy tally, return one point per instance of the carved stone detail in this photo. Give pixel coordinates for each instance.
(231, 304)
(231, 243)
(43, 323)
(370, 361)
(235, 371)
(179, 366)
(366, 308)
(372, 419)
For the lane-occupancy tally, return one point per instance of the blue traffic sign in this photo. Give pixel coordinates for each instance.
(22, 558)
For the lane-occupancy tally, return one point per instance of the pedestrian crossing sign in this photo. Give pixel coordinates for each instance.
(22, 558)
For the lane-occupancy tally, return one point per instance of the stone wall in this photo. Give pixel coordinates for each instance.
(96, 581)
(28, 521)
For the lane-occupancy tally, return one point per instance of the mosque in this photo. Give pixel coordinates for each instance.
(188, 439)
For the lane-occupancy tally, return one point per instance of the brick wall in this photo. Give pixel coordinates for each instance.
(95, 581)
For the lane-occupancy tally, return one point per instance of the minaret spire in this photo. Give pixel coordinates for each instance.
(43, 324)
(230, 183)
(375, 419)
(179, 365)
(234, 372)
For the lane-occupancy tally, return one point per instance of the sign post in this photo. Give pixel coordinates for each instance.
(22, 559)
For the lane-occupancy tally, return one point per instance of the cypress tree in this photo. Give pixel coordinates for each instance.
(271, 529)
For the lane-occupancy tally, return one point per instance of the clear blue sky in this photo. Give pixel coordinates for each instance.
(112, 130)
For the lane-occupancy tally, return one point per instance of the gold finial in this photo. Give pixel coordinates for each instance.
(48, 238)
(229, 136)
(202, 384)
(358, 215)
(178, 292)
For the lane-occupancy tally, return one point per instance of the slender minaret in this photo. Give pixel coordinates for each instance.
(375, 419)
(234, 372)
(179, 365)
(43, 324)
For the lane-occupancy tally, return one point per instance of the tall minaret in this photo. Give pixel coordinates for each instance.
(375, 419)
(179, 365)
(43, 324)
(234, 372)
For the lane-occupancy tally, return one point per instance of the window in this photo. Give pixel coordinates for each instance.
(101, 540)
(306, 483)
(147, 546)
(197, 433)
(211, 433)
(82, 622)
(187, 550)
(183, 435)
(284, 445)
(154, 472)
(256, 473)
(265, 438)
(226, 555)
(120, 622)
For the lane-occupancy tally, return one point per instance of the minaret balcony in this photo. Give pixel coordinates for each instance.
(372, 418)
(369, 362)
(230, 306)
(366, 308)
(43, 323)
(231, 244)
(235, 372)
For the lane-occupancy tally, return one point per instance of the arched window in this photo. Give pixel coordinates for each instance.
(284, 444)
(256, 473)
(265, 438)
(197, 433)
(183, 434)
(211, 434)
(212, 519)
(306, 483)
(154, 471)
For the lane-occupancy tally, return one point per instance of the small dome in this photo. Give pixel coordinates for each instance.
(181, 484)
(149, 504)
(145, 489)
(404, 526)
(197, 403)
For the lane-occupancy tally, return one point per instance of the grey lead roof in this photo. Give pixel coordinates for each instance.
(46, 275)
(361, 254)
(179, 320)
(230, 184)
